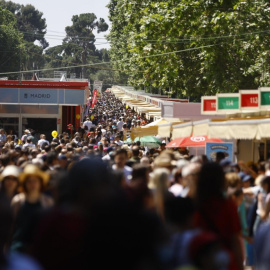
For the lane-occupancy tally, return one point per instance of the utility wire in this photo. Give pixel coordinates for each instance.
(93, 64)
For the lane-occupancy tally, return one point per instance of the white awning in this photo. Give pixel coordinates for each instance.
(201, 127)
(164, 130)
(240, 129)
(183, 130)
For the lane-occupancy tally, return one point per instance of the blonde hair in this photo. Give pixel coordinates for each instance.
(161, 183)
(232, 179)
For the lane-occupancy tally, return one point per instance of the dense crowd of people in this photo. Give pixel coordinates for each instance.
(90, 198)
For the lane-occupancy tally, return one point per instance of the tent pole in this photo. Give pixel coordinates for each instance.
(253, 150)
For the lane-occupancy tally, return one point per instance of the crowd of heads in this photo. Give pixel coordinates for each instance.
(88, 198)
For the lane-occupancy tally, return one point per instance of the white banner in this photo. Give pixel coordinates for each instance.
(98, 86)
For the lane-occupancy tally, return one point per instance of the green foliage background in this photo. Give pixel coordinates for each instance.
(191, 47)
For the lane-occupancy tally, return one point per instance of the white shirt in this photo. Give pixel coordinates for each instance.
(88, 124)
(120, 125)
(176, 189)
(127, 172)
(30, 145)
(41, 141)
(120, 143)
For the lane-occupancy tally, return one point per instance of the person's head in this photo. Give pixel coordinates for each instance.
(120, 158)
(245, 179)
(9, 138)
(161, 179)
(220, 156)
(190, 174)
(163, 146)
(135, 151)
(33, 180)
(178, 176)
(233, 180)
(52, 158)
(9, 180)
(236, 194)
(104, 141)
(62, 161)
(43, 136)
(265, 184)
(145, 161)
(211, 182)
(140, 173)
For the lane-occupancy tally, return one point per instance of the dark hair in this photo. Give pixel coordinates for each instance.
(261, 166)
(121, 151)
(178, 210)
(51, 156)
(135, 151)
(211, 182)
(5, 159)
(266, 181)
(177, 175)
(139, 171)
(220, 156)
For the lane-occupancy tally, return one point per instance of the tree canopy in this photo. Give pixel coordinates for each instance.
(191, 47)
(11, 45)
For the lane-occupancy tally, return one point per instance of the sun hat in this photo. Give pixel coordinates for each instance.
(10, 170)
(31, 169)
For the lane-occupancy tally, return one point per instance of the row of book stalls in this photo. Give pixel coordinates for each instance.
(240, 118)
(43, 106)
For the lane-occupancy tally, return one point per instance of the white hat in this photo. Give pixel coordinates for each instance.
(27, 131)
(10, 170)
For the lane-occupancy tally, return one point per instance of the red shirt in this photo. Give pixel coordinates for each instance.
(220, 216)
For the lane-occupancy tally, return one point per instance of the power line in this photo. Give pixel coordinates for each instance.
(93, 64)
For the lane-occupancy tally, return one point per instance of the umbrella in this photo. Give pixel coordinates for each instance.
(197, 141)
(149, 141)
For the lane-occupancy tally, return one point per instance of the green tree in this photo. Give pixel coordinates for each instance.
(191, 47)
(11, 45)
(79, 43)
(30, 21)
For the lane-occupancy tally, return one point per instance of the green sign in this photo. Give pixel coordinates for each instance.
(228, 103)
(265, 98)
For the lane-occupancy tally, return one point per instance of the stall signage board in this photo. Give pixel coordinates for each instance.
(208, 105)
(42, 96)
(265, 97)
(228, 102)
(250, 99)
(211, 150)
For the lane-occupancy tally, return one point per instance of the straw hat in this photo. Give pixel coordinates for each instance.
(32, 169)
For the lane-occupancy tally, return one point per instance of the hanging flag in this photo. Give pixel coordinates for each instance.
(94, 99)
(63, 78)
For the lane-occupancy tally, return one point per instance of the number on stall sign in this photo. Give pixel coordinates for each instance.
(253, 100)
(229, 103)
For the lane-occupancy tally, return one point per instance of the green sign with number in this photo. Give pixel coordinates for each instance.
(228, 103)
(265, 98)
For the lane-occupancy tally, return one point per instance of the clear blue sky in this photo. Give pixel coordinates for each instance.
(58, 14)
